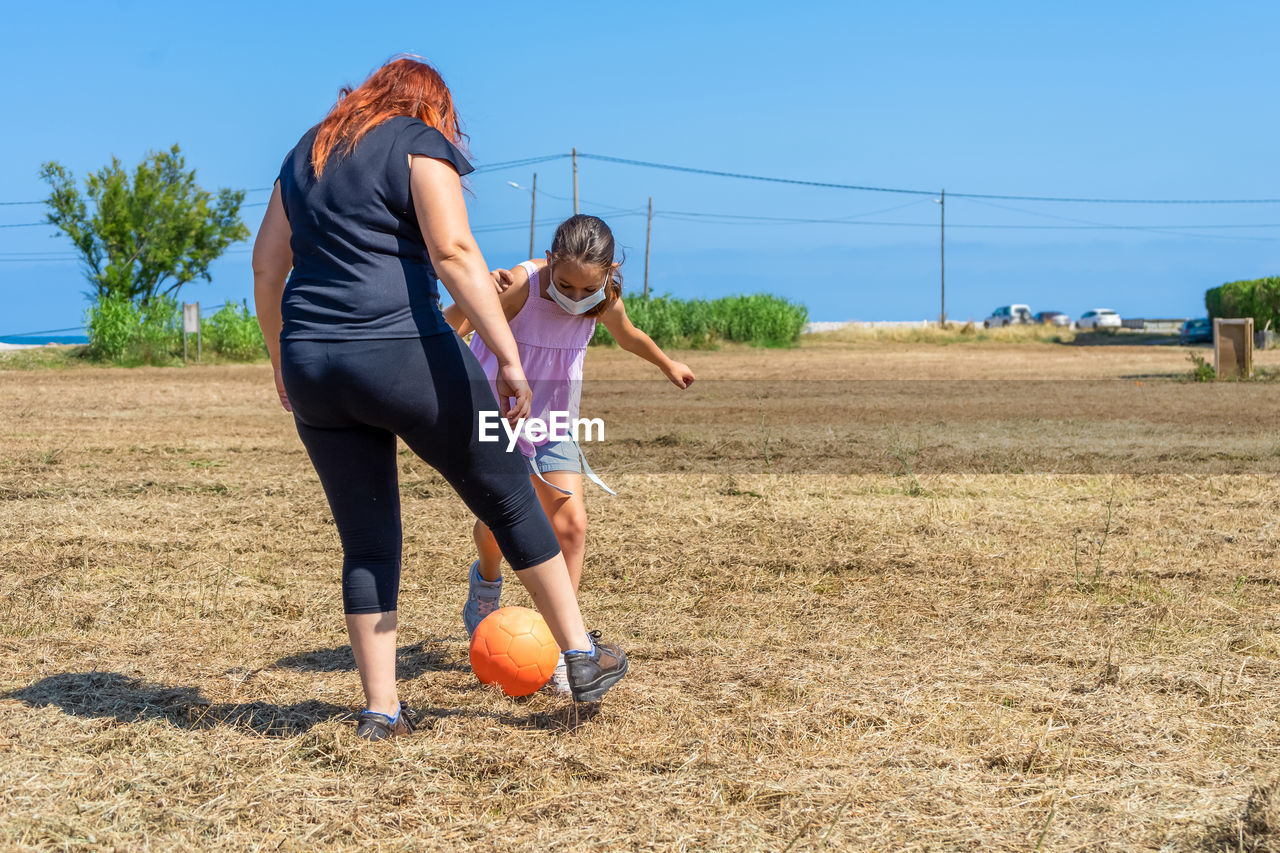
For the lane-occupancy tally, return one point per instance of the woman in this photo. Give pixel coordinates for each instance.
(367, 212)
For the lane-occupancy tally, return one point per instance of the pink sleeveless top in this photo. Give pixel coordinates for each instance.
(552, 345)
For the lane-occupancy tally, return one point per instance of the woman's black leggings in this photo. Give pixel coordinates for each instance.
(352, 398)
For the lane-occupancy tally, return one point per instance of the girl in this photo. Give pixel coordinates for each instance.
(553, 305)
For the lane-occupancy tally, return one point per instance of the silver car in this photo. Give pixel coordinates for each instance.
(1008, 315)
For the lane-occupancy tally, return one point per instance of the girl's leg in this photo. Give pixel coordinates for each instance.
(568, 517)
(490, 554)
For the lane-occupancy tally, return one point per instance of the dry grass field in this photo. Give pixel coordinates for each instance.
(877, 595)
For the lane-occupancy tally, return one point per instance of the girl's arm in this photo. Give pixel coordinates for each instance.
(634, 341)
(513, 290)
(272, 260)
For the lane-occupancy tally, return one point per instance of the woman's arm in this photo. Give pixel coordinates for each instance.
(634, 341)
(272, 260)
(442, 214)
(512, 286)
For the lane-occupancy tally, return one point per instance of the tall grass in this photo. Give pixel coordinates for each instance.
(233, 333)
(128, 334)
(967, 333)
(759, 319)
(123, 332)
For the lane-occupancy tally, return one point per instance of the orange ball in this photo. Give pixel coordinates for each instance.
(513, 648)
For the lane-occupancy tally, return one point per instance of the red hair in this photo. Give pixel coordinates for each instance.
(405, 86)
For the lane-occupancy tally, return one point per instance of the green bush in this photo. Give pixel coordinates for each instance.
(759, 319)
(233, 333)
(158, 337)
(1257, 298)
(111, 324)
(124, 333)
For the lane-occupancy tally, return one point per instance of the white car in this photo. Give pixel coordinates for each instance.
(1099, 318)
(1008, 315)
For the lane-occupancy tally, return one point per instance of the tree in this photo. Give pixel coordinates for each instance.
(146, 237)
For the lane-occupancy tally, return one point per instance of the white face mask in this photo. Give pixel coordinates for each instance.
(580, 306)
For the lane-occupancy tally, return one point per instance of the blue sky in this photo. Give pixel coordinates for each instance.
(1130, 100)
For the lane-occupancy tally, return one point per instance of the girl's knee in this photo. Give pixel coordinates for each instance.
(571, 526)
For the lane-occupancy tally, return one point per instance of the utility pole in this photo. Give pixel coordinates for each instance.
(575, 181)
(942, 245)
(533, 211)
(648, 237)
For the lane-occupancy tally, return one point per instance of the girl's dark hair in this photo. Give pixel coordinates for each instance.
(588, 240)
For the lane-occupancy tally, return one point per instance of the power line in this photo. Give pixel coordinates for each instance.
(732, 218)
(512, 164)
(529, 161)
(864, 188)
(42, 332)
(511, 226)
(25, 224)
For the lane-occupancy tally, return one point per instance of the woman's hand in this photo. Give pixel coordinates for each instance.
(284, 395)
(511, 383)
(680, 374)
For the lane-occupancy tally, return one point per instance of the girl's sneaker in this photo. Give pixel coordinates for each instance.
(592, 673)
(559, 681)
(482, 599)
(374, 726)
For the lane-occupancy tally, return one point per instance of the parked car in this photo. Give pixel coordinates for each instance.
(1198, 331)
(1052, 318)
(1099, 318)
(1008, 315)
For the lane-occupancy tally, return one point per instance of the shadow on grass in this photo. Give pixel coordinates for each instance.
(566, 717)
(411, 661)
(110, 695)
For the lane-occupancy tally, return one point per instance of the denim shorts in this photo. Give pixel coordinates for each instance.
(563, 456)
(558, 456)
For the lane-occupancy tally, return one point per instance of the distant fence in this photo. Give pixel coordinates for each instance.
(1144, 324)
(831, 326)
(1134, 324)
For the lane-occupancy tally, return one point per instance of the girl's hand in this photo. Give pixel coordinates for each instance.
(284, 396)
(511, 383)
(680, 374)
(502, 279)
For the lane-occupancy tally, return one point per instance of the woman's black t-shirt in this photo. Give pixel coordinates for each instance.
(360, 266)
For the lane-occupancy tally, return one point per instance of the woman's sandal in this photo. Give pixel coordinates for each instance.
(371, 725)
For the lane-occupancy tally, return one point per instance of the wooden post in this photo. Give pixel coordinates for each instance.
(648, 236)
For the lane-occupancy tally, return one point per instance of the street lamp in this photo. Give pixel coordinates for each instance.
(533, 205)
